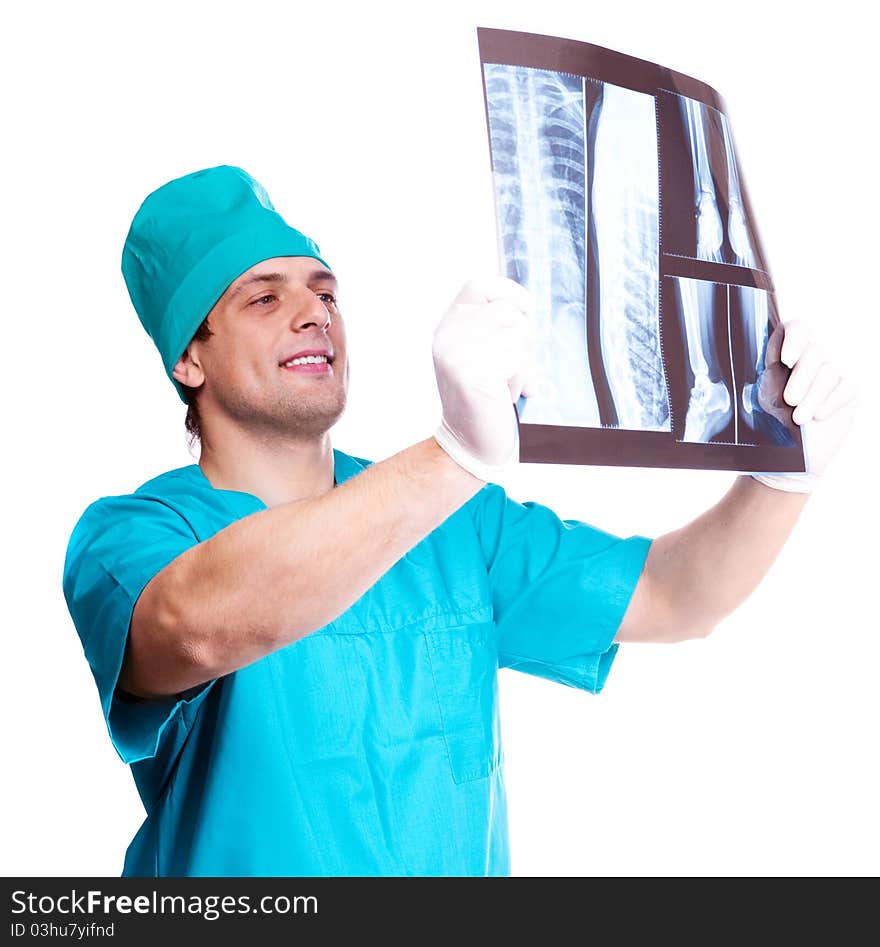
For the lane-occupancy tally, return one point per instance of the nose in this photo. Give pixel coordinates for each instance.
(309, 313)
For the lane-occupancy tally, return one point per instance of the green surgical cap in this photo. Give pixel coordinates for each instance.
(189, 240)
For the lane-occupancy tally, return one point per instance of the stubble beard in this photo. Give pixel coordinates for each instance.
(290, 418)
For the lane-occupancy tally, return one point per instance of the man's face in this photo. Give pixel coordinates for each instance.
(276, 360)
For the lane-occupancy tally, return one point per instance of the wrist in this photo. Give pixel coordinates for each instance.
(789, 483)
(465, 458)
(440, 472)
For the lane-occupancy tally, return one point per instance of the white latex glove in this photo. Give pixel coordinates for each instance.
(824, 402)
(482, 349)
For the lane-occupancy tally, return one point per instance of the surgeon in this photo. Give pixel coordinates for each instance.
(296, 650)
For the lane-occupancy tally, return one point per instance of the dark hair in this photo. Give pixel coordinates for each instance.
(193, 422)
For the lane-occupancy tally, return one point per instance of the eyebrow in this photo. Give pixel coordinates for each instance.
(314, 276)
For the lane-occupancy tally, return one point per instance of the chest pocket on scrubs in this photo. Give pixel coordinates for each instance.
(464, 664)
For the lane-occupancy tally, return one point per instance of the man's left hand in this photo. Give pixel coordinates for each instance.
(824, 401)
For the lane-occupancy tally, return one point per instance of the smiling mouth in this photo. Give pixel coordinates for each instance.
(307, 360)
(319, 364)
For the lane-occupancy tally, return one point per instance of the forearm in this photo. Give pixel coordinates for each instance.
(697, 575)
(274, 576)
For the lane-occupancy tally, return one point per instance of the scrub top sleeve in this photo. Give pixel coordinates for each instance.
(559, 588)
(116, 547)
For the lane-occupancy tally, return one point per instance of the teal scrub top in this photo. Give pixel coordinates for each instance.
(372, 746)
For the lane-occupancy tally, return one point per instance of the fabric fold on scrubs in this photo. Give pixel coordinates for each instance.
(371, 746)
(560, 589)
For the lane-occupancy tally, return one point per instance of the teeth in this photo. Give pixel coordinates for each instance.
(307, 360)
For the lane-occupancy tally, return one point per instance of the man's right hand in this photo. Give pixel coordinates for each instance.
(482, 348)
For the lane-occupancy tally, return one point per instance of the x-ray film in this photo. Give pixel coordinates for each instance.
(620, 204)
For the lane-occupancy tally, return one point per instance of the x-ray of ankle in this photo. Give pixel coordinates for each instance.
(730, 395)
(701, 125)
(709, 413)
(576, 186)
(709, 221)
(764, 417)
(738, 235)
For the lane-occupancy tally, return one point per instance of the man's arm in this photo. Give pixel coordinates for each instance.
(272, 577)
(697, 575)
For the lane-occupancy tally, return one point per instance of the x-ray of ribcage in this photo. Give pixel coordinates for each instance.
(576, 186)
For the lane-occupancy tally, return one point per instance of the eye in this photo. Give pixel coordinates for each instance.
(266, 300)
(327, 298)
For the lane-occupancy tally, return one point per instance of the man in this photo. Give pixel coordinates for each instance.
(296, 650)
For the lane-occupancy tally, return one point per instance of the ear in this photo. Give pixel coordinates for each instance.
(188, 371)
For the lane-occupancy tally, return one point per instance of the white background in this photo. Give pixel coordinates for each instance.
(752, 752)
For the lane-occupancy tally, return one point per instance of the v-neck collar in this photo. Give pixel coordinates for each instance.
(344, 468)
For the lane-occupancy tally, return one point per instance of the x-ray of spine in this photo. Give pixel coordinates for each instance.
(713, 222)
(537, 135)
(576, 182)
(623, 292)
